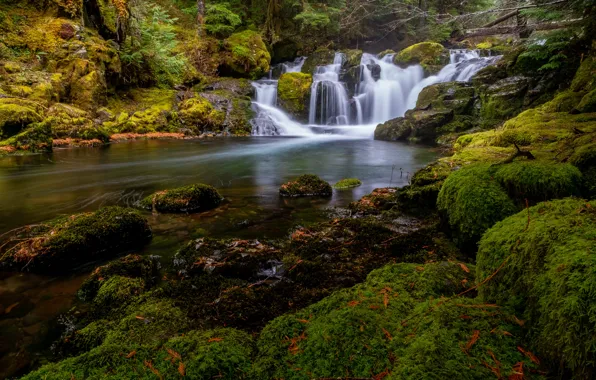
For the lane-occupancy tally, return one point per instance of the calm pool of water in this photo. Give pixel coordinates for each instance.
(246, 171)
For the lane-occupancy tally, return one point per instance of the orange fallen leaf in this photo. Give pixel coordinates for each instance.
(9, 309)
(140, 317)
(464, 267)
(215, 340)
(174, 354)
(530, 355)
(385, 300)
(131, 354)
(149, 365)
(387, 334)
(181, 369)
(353, 303)
(518, 371)
(303, 320)
(472, 340)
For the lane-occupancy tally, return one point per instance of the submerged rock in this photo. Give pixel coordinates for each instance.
(65, 242)
(306, 185)
(192, 198)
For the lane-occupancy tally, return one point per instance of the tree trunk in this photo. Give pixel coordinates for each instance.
(201, 17)
(516, 29)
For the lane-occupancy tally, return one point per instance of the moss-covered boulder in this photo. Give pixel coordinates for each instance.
(36, 138)
(69, 122)
(542, 261)
(395, 325)
(430, 55)
(65, 242)
(293, 93)
(192, 198)
(117, 291)
(472, 201)
(246, 55)
(306, 185)
(347, 183)
(504, 98)
(538, 181)
(200, 115)
(456, 96)
(15, 117)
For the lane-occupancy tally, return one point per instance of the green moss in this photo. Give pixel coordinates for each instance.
(539, 181)
(13, 118)
(293, 91)
(65, 242)
(424, 187)
(588, 102)
(192, 198)
(472, 201)
(456, 96)
(246, 54)
(306, 185)
(352, 57)
(88, 91)
(133, 266)
(36, 138)
(584, 76)
(319, 57)
(68, 121)
(390, 325)
(347, 183)
(200, 115)
(425, 53)
(116, 292)
(547, 258)
(564, 101)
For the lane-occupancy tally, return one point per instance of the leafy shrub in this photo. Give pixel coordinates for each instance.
(548, 259)
(220, 20)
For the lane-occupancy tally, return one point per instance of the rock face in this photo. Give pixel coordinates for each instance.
(430, 55)
(199, 115)
(293, 93)
(65, 242)
(306, 185)
(318, 58)
(417, 126)
(193, 198)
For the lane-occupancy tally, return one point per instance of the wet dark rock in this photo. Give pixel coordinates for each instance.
(417, 126)
(375, 70)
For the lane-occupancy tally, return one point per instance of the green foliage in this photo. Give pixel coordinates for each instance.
(306, 185)
(538, 181)
(199, 114)
(548, 53)
(548, 255)
(246, 54)
(220, 20)
(472, 201)
(347, 183)
(192, 198)
(148, 54)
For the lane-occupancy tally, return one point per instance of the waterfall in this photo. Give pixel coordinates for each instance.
(328, 96)
(385, 91)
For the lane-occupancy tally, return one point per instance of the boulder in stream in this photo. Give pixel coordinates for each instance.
(306, 185)
(68, 241)
(192, 198)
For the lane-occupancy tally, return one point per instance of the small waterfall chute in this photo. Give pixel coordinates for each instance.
(329, 103)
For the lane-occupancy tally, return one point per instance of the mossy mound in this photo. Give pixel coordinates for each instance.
(14, 118)
(347, 183)
(422, 192)
(220, 353)
(293, 91)
(246, 55)
(36, 138)
(65, 242)
(192, 198)
(472, 201)
(378, 200)
(117, 291)
(427, 54)
(456, 96)
(393, 325)
(544, 260)
(73, 123)
(133, 266)
(306, 185)
(539, 181)
(199, 114)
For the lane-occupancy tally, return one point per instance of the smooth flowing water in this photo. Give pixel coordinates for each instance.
(246, 171)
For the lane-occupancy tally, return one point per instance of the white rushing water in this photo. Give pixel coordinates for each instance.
(385, 91)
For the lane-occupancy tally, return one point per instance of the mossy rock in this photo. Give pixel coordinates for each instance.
(65, 242)
(471, 201)
(539, 181)
(116, 292)
(293, 93)
(306, 185)
(542, 262)
(456, 96)
(199, 114)
(352, 57)
(418, 125)
(132, 266)
(246, 55)
(504, 99)
(37, 138)
(14, 118)
(390, 326)
(588, 102)
(427, 54)
(347, 183)
(68, 121)
(192, 198)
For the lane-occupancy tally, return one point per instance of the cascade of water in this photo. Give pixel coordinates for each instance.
(328, 97)
(385, 91)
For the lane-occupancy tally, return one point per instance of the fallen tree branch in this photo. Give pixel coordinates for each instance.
(519, 153)
(516, 29)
